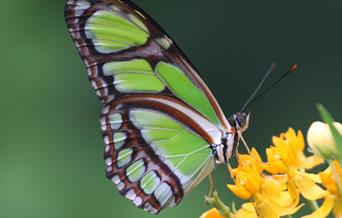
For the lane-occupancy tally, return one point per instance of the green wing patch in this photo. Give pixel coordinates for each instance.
(133, 76)
(112, 32)
(182, 87)
(137, 75)
(184, 150)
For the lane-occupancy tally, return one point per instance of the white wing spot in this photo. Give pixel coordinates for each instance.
(81, 7)
(154, 210)
(115, 120)
(116, 179)
(131, 195)
(106, 140)
(109, 169)
(115, 8)
(137, 201)
(164, 42)
(109, 161)
(98, 92)
(120, 186)
(147, 206)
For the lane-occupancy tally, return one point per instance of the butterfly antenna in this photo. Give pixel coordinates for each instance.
(293, 68)
(250, 99)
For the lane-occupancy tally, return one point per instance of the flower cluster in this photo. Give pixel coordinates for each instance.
(268, 194)
(275, 187)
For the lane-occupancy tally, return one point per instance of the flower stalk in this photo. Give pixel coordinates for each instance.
(215, 200)
(312, 204)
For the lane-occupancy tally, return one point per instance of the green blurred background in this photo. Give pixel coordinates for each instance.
(51, 146)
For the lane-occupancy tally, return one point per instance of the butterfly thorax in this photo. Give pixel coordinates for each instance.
(230, 140)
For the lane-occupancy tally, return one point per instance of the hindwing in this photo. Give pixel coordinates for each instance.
(152, 156)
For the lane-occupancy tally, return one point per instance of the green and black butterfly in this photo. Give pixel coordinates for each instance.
(163, 129)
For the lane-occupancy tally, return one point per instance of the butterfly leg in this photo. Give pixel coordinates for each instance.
(229, 169)
(211, 183)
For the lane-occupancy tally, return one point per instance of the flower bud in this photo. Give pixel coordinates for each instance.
(321, 141)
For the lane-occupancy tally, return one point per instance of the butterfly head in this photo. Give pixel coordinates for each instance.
(239, 121)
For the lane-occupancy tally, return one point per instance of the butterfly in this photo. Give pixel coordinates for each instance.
(164, 131)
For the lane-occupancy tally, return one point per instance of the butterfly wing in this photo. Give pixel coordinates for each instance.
(152, 155)
(160, 118)
(125, 52)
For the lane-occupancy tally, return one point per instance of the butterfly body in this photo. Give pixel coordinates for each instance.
(163, 129)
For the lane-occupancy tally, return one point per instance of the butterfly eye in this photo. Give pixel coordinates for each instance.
(231, 120)
(240, 120)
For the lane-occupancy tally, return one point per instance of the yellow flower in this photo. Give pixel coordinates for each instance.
(267, 193)
(247, 210)
(212, 213)
(286, 156)
(247, 175)
(321, 141)
(331, 178)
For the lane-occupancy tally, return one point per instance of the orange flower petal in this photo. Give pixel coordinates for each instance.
(338, 169)
(307, 187)
(299, 141)
(328, 178)
(247, 210)
(338, 208)
(276, 167)
(239, 191)
(311, 162)
(255, 155)
(293, 191)
(212, 213)
(313, 177)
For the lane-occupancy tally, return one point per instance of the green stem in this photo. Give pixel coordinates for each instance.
(312, 204)
(215, 200)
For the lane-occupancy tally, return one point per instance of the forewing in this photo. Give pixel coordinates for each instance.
(126, 53)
